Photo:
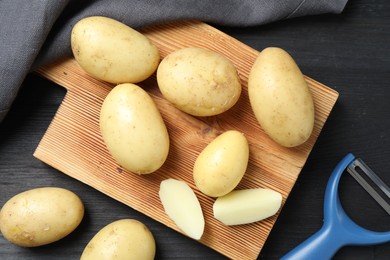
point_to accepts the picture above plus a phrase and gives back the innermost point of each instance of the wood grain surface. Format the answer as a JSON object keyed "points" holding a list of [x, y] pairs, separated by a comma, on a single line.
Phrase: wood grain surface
{"points": [[74, 146]]}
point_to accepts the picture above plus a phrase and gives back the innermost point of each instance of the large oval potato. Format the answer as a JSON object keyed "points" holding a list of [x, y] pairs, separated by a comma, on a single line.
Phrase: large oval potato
{"points": [[280, 98], [133, 129], [40, 216], [112, 51], [221, 165], [121, 239], [199, 82]]}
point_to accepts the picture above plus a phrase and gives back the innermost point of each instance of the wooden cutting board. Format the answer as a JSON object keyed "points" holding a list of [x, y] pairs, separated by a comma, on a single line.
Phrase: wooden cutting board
{"points": [[73, 143]]}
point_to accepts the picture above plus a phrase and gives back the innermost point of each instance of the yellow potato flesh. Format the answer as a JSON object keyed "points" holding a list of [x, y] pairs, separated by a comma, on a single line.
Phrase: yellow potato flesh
{"points": [[133, 129], [183, 207], [247, 206], [112, 51], [280, 98], [40, 216], [221, 165], [199, 82], [121, 239]]}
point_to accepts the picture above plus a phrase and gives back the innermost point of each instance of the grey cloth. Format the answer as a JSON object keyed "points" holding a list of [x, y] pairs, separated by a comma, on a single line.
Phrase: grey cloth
{"points": [[37, 32]]}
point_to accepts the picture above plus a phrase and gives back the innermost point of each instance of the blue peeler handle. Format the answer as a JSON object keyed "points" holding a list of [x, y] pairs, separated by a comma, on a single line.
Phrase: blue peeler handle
{"points": [[338, 229]]}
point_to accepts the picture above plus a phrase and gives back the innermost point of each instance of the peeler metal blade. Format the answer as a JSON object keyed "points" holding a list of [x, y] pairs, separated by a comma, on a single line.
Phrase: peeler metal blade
{"points": [[359, 170]]}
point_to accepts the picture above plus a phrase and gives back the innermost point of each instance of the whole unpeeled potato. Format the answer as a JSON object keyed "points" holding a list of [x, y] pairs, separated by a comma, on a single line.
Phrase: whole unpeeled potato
{"points": [[133, 129], [280, 98], [112, 51], [198, 81], [121, 239], [40, 216], [221, 165]]}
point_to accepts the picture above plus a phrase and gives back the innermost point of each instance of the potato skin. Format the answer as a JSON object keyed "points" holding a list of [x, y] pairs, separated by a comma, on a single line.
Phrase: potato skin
{"points": [[280, 98], [198, 81], [40, 216], [221, 165], [133, 129], [112, 51], [121, 239]]}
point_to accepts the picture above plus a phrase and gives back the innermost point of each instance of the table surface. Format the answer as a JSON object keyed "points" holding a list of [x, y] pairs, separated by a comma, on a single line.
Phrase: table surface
{"points": [[348, 52]]}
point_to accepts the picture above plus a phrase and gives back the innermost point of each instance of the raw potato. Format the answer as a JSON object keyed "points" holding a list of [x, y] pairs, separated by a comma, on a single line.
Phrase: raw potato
{"points": [[247, 206], [112, 51], [183, 207], [280, 98], [121, 239], [221, 165], [40, 216], [199, 82], [133, 129]]}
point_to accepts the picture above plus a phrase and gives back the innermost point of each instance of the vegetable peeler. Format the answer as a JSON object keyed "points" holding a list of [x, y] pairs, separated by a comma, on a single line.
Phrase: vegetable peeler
{"points": [[338, 229]]}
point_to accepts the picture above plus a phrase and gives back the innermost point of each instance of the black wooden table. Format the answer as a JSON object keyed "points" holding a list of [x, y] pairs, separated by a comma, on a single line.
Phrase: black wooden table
{"points": [[349, 52]]}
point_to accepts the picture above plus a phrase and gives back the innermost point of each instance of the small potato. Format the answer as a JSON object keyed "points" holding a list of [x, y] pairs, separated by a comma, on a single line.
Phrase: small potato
{"points": [[280, 98], [183, 207], [199, 82], [121, 239], [112, 51], [133, 129], [222, 164], [247, 206], [40, 216]]}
